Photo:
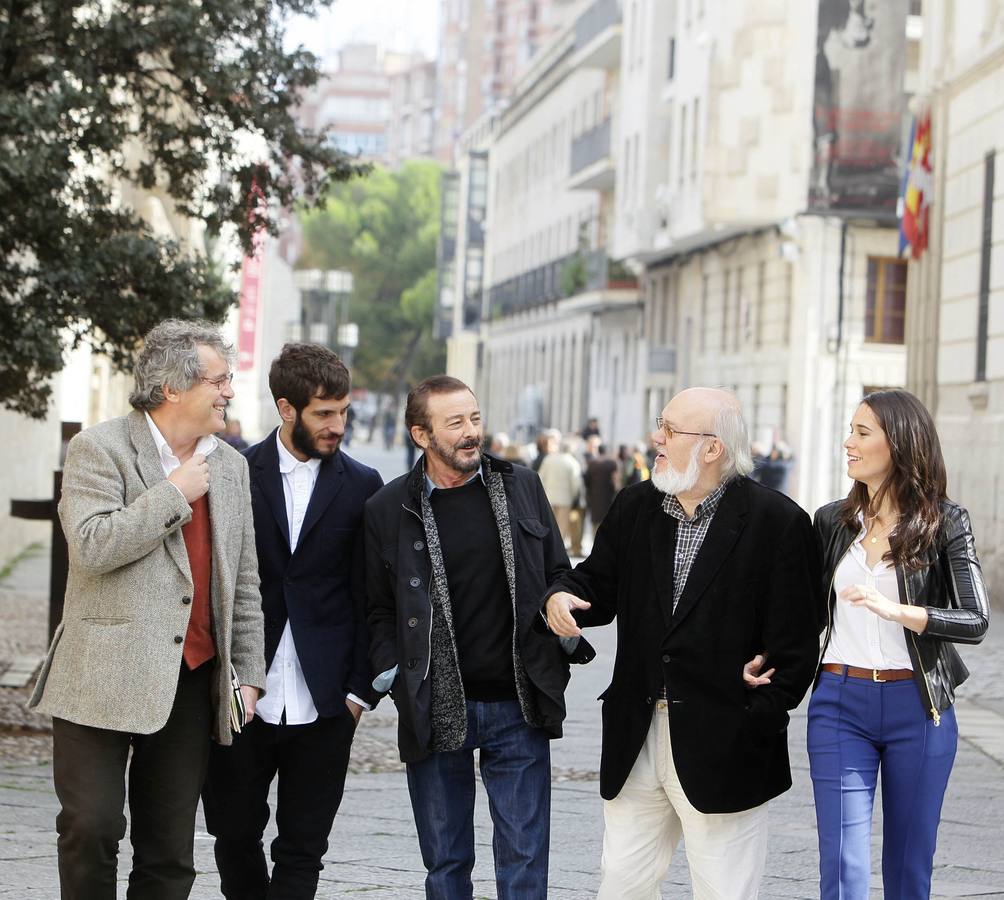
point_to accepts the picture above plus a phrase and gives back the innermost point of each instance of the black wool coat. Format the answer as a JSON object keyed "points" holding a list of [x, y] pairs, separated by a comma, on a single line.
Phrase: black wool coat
{"points": [[319, 588], [753, 587]]}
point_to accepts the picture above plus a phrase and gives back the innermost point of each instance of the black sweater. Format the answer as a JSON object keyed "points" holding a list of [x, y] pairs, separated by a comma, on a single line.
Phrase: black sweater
{"points": [[479, 593]]}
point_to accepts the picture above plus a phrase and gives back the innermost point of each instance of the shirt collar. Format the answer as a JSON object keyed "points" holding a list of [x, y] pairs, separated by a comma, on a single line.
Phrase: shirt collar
{"points": [[288, 462], [706, 507], [205, 445], [431, 486]]}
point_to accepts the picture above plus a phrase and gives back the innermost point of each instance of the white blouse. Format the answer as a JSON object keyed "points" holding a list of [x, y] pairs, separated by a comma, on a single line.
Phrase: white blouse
{"points": [[858, 636]]}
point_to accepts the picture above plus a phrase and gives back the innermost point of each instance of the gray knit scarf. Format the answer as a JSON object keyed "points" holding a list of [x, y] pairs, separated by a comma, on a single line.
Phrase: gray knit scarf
{"points": [[449, 708]]}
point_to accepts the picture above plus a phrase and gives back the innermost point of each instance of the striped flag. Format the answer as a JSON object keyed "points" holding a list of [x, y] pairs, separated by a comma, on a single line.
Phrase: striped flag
{"points": [[918, 189]]}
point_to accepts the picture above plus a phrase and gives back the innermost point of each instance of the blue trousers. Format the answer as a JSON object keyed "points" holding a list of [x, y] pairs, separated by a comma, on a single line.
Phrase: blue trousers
{"points": [[857, 727], [516, 771]]}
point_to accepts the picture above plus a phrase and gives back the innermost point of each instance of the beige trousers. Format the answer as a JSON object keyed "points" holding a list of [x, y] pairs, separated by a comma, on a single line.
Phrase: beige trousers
{"points": [[570, 525], [726, 853]]}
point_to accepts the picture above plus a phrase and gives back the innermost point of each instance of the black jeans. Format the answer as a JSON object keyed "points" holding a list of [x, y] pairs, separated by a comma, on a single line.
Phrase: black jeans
{"points": [[165, 774], [311, 761]]}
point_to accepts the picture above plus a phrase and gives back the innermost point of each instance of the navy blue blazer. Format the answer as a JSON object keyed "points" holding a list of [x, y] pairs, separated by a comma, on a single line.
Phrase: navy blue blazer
{"points": [[319, 589]]}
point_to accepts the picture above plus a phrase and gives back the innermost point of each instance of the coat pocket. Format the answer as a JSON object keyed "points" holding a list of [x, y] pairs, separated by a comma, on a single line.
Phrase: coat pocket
{"points": [[105, 620]]}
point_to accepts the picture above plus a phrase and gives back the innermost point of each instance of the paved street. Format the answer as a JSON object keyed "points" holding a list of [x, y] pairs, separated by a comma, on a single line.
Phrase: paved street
{"points": [[374, 852]]}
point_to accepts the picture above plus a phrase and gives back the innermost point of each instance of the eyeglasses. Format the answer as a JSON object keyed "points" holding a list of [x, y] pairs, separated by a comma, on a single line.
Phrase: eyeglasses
{"points": [[669, 431], [220, 382]]}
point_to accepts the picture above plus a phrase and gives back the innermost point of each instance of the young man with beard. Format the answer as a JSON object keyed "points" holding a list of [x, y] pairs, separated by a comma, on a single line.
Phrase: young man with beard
{"points": [[458, 554], [702, 568], [307, 497]]}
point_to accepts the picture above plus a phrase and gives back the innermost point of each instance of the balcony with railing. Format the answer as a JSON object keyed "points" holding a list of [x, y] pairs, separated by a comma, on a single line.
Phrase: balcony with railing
{"points": [[577, 273], [598, 36], [592, 165]]}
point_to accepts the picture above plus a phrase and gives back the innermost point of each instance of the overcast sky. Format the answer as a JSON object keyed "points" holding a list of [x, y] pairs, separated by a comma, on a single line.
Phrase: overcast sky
{"points": [[404, 25]]}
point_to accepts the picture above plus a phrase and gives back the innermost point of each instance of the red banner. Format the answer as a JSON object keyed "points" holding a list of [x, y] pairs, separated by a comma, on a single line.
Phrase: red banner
{"points": [[252, 276]]}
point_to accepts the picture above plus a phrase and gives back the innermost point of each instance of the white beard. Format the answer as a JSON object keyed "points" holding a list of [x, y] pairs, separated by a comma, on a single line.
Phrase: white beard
{"points": [[669, 481]]}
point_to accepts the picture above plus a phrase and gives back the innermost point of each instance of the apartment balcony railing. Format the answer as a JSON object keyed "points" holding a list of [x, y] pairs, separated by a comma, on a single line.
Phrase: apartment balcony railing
{"points": [[529, 289], [591, 147], [564, 277], [602, 15]]}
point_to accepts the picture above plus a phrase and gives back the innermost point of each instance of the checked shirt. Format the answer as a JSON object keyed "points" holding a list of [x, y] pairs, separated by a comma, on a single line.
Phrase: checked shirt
{"points": [[690, 534]]}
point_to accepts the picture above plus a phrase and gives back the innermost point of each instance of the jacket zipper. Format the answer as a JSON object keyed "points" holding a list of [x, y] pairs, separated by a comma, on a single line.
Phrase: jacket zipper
{"points": [[428, 635], [829, 615], [935, 715]]}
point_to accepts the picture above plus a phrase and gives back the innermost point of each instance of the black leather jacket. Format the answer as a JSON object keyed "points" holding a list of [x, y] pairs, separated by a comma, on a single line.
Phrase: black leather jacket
{"points": [[950, 586]]}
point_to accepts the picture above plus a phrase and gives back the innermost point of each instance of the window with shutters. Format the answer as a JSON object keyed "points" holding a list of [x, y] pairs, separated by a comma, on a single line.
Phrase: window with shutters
{"points": [[885, 303]]}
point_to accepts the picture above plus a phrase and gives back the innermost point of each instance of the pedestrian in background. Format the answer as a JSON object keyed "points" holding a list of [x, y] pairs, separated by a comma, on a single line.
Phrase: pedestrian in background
{"points": [[561, 475], [161, 598], [458, 554], [590, 429], [388, 428], [771, 469], [698, 566], [233, 436], [307, 497], [902, 586], [602, 481], [543, 442]]}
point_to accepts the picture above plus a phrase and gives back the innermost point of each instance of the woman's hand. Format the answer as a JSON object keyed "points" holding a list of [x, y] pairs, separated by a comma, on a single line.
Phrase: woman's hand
{"points": [[912, 617]]}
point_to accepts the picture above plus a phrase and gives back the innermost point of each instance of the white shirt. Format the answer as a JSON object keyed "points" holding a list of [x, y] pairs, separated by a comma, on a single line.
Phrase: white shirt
{"points": [[285, 686], [206, 445], [859, 637]]}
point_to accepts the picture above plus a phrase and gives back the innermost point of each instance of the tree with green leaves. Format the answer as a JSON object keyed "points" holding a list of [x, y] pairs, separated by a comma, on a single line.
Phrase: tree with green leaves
{"points": [[191, 103], [383, 229]]}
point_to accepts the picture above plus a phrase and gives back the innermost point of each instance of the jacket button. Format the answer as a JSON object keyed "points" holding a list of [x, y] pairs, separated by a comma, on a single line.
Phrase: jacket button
{"points": [[666, 658], [412, 622], [415, 582], [186, 600], [412, 663], [419, 545], [178, 639], [648, 701]]}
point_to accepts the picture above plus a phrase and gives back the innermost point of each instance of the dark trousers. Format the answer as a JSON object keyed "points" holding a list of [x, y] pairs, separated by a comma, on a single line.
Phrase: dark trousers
{"points": [[165, 775], [311, 761]]}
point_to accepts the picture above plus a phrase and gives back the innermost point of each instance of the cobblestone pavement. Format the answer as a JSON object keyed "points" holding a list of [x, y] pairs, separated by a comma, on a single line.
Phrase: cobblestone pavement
{"points": [[373, 849]]}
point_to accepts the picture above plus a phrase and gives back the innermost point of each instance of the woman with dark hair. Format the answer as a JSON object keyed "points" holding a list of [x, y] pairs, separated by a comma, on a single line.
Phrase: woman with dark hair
{"points": [[902, 587]]}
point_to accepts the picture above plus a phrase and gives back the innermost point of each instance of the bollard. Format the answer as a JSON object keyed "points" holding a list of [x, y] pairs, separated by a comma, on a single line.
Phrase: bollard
{"points": [[41, 510]]}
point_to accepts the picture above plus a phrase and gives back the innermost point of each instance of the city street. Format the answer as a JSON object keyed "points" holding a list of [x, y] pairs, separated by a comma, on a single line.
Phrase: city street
{"points": [[374, 851]]}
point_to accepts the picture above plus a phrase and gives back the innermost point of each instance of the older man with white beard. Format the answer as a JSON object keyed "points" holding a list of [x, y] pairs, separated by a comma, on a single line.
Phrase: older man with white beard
{"points": [[702, 568]]}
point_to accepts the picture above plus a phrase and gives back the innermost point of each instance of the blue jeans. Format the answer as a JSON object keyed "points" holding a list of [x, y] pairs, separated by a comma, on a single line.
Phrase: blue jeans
{"points": [[516, 771], [855, 727]]}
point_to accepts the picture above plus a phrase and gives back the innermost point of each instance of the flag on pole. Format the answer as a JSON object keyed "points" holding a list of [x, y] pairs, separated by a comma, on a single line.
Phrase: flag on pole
{"points": [[918, 189]]}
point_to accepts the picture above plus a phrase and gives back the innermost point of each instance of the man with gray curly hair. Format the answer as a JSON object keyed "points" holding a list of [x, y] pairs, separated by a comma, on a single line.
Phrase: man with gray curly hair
{"points": [[161, 600]]}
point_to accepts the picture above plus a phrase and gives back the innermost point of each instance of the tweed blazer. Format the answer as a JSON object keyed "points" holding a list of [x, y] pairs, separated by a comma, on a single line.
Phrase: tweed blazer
{"points": [[115, 658]]}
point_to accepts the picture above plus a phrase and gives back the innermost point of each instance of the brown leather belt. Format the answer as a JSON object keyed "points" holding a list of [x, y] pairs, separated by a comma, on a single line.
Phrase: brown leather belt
{"points": [[870, 674]]}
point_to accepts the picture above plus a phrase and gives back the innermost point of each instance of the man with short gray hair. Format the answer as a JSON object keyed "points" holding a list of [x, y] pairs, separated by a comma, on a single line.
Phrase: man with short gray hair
{"points": [[702, 568], [162, 597]]}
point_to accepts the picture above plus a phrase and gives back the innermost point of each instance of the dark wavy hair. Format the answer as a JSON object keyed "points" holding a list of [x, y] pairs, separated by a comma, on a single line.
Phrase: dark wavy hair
{"points": [[302, 372], [917, 483]]}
